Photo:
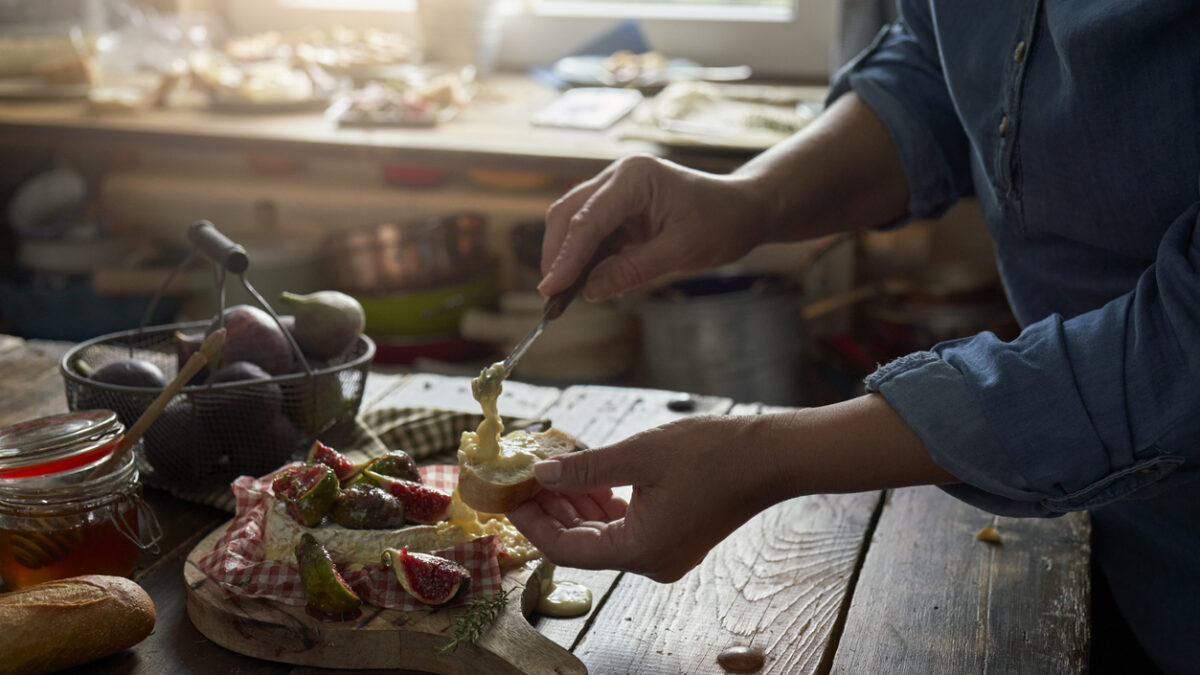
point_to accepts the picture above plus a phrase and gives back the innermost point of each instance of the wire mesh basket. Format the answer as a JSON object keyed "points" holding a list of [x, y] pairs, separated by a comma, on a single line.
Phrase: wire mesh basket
{"points": [[212, 432]]}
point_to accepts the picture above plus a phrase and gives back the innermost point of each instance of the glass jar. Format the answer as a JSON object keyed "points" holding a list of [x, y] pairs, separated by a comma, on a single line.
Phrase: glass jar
{"points": [[57, 519]]}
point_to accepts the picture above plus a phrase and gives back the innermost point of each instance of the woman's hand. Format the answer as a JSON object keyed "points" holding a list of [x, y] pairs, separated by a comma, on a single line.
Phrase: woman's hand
{"points": [[694, 482], [698, 479], [675, 219]]}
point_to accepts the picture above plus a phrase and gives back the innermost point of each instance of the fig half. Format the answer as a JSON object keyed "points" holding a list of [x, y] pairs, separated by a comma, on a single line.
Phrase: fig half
{"points": [[308, 491], [430, 579], [320, 453]]}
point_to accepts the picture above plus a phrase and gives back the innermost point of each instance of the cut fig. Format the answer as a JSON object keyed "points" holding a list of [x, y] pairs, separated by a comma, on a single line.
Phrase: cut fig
{"points": [[308, 491], [324, 588], [422, 504], [397, 464], [430, 579], [320, 453], [365, 507]]}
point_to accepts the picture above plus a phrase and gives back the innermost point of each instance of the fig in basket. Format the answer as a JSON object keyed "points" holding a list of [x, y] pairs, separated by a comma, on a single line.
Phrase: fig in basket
{"points": [[327, 323], [431, 579], [250, 335], [248, 406], [308, 491], [324, 588], [317, 407], [130, 373]]}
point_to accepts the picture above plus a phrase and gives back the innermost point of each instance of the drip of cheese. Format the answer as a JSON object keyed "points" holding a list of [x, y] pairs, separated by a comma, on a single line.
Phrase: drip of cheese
{"points": [[563, 598], [486, 389], [472, 524]]}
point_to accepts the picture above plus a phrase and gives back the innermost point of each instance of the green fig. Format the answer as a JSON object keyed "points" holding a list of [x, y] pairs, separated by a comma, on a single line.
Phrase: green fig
{"points": [[324, 588], [327, 322], [307, 491]]}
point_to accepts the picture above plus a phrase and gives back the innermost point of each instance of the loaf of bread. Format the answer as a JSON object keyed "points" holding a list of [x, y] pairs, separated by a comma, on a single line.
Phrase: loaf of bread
{"points": [[63, 623], [499, 484]]}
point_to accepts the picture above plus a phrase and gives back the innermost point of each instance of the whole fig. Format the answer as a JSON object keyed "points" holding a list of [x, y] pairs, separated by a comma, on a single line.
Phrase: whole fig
{"points": [[327, 323], [366, 507], [131, 373], [126, 373], [175, 447], [244, 408], [397, 464], [268, 448], [252, 335], [318, 403]]}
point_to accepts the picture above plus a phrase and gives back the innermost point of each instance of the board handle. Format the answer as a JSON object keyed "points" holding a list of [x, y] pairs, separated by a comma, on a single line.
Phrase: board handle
{"points": [[515, 643]]}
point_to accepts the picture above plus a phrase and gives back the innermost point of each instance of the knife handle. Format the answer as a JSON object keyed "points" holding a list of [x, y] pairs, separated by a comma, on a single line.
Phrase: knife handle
{"points": [[557, 303]]}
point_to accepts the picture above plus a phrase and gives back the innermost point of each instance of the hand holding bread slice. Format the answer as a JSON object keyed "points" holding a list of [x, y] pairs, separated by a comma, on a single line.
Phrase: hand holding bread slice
{"points": [[498, 482]]}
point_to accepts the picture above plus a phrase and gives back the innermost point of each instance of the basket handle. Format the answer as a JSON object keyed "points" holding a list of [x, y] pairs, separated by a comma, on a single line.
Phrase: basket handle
{"points": [[221, 249]]}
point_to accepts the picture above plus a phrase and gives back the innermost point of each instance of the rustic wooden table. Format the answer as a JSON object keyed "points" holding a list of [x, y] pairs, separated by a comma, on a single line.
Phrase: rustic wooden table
{"points": [[880, 582]]}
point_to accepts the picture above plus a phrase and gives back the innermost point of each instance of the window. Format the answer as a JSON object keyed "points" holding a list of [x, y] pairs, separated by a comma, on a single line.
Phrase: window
{"points": [[784, 38]]}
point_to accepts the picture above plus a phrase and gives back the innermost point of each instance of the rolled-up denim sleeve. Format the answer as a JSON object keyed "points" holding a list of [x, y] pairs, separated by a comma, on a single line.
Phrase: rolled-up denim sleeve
{"points": [[899, 77], [1073, 413]]}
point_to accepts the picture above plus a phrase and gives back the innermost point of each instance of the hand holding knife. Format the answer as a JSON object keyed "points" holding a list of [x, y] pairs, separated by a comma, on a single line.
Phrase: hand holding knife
{"points": [[554, 306]]}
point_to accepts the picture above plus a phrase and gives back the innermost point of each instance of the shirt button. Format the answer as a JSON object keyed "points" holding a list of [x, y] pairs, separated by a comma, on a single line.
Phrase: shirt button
{"points": [[1004, 125], [1019, 52]]}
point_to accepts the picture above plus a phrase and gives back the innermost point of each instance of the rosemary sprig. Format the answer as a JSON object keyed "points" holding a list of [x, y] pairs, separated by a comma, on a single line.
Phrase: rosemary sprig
{"points": [[471, 624]]}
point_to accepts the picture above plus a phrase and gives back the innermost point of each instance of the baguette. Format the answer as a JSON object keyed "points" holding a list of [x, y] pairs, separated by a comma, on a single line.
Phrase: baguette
{"points": [[500, 484], [63, 623]]}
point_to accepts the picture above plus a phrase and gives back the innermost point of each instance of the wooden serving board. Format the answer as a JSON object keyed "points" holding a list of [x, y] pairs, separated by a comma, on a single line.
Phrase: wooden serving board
{"points": [[379, 638]]}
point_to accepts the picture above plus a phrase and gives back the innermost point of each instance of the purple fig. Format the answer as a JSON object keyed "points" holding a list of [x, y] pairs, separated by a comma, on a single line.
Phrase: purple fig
{"points": [[366, 507], [327, 322], [252, 335], [242, 408], [131, 373]]}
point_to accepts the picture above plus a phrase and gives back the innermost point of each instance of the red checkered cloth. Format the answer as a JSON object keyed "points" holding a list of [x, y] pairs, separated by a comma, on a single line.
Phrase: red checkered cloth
{"points": [[236, 564]]}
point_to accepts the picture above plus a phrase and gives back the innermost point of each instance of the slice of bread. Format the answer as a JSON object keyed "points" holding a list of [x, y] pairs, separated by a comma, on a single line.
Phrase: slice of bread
{"points": [[501, 484]]}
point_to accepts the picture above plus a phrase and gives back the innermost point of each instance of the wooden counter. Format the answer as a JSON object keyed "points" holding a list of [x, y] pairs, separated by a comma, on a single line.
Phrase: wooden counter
{"points": [[878, 582], [492, 131]]}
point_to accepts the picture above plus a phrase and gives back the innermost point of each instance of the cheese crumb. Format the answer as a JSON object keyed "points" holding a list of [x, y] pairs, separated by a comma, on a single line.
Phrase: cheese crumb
{"points": [[988, 534]]}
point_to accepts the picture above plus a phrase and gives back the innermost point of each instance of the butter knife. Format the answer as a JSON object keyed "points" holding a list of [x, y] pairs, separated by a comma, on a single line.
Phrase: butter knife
{"points": [[556, 304]]}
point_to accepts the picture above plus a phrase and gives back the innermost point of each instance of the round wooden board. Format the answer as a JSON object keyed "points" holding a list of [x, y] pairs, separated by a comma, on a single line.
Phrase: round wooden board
{"points": [[379, 638]]}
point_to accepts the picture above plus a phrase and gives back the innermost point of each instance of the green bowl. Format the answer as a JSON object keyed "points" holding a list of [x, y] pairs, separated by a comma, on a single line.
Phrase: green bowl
{"points": [[433, 311]]}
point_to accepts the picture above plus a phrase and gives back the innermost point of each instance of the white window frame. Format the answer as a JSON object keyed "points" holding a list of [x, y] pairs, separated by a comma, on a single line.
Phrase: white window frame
{"points": [[774, 42]]}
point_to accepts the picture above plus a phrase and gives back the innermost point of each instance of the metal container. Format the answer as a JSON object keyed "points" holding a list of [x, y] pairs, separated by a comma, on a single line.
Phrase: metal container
{"points": [[407, 256], [728, 335]]}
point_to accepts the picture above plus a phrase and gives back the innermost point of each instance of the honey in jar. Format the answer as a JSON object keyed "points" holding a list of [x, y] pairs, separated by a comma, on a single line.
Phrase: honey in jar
{"points": [[59, 520]]}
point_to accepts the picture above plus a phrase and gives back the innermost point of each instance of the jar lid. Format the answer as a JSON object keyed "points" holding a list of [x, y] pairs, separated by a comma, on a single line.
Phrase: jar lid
{"points": [[57, 443]]}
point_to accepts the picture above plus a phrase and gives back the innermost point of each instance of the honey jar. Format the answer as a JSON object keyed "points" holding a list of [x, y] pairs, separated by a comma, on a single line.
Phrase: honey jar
{"points": [[59, 520]]}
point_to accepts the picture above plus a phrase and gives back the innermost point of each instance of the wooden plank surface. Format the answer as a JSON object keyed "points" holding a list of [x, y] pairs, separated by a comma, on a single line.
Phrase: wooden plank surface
{"points": [[931, 598], [928, 598], [777, 584]]}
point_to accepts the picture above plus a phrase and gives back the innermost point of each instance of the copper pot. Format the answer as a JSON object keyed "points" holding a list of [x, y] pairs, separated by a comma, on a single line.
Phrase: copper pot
{"points": [[407, 256]]}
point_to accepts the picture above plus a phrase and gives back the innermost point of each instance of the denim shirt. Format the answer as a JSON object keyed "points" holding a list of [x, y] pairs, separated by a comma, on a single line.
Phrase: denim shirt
{"points": [[1076, 124]]}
